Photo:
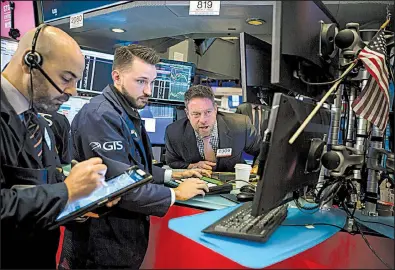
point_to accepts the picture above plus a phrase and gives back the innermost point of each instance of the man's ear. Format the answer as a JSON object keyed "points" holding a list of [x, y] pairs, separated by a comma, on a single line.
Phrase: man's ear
{"points": [[116, 77], [25, 67]]}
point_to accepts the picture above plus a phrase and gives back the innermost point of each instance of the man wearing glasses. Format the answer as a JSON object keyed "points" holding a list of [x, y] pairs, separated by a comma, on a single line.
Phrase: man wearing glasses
{"points": [[208, 139]]}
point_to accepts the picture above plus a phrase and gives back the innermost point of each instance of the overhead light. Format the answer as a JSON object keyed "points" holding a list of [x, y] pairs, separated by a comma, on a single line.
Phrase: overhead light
{"points": [[255, 21], [229, 38], [118, 30]]}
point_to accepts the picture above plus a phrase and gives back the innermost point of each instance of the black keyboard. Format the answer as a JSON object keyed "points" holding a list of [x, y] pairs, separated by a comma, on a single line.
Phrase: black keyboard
{"points": [[240, 224]]}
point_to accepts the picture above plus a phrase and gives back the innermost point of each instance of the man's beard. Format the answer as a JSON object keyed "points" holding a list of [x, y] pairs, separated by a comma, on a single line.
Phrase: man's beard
{"points": [[207, 133], [132, 100], [41, 98]]}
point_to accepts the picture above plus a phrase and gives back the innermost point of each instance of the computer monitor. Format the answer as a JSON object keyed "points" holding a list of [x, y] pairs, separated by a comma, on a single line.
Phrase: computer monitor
{"points": [[8, 48], [202, 45], [173, 79], [296, 46], [289, 167], [156, 118], [71, 107], [97, 72], [255, 63]]}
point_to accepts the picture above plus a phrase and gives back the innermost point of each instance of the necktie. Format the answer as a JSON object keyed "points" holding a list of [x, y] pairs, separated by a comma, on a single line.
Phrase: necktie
{"points": [[35, 131], [257, 122], [209, 154]]}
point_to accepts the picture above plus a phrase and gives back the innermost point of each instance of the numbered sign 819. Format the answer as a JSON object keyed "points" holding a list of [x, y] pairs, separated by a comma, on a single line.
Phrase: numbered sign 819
{"points": [[204, 7], [76, 20]]}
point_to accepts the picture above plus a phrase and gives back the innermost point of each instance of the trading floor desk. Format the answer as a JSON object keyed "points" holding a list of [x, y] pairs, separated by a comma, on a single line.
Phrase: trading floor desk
{"points": [[176, 242]]}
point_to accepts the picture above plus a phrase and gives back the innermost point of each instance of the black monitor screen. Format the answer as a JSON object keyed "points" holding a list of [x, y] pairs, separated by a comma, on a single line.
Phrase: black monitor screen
{"points": [[173, 79], [97, 72], [290, 167], [258, 64], [295, 47], [256, 56], [255, 60], [156, 118]]}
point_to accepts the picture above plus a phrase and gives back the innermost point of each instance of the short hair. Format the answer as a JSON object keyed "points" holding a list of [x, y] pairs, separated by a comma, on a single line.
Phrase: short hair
{"points": [[199, 91], [124, 56]]}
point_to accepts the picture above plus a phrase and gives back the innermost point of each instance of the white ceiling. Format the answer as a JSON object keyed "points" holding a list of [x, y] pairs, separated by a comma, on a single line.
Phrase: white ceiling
{"points": [[146, 20]]}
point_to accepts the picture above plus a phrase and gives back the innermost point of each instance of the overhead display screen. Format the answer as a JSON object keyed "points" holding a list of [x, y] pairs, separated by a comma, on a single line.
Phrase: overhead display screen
{"points": [[54, 10]]}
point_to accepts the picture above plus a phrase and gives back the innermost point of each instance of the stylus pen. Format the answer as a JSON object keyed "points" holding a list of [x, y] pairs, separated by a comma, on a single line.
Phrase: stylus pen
{"points": [[75, 162]]}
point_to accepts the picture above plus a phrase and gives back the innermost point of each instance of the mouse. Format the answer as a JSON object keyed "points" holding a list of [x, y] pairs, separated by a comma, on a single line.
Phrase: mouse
{"points": [[244, 196], [247, 189]]}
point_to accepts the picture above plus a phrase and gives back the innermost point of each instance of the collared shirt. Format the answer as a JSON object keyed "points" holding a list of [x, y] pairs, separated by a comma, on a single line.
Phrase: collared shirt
{"points": [[17, 100], [214, 140]]}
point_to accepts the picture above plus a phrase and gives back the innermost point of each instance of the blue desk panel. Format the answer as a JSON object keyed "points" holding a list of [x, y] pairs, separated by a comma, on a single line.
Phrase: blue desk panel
{"points": [[383, 229], [285, 242]]}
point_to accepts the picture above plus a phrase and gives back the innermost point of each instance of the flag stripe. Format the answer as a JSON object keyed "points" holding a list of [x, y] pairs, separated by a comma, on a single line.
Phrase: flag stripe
{"points": [[379, 108], [380, 55], [371, 63], [358, 107], [373, 68], [376, 66], [378, 100], [373, 102], [384, 120]]}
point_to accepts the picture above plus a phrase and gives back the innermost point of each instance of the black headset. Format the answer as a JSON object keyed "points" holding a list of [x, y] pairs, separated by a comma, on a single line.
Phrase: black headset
{"points": [[34, 59]]}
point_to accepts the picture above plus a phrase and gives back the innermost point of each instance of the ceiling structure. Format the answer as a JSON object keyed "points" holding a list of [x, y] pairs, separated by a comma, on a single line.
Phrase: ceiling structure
{"points": [[161, 24]]}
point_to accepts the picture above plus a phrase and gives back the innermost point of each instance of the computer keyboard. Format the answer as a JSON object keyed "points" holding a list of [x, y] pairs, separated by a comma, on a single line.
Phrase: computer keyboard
{"points": [[215, 186], [240, 224]]}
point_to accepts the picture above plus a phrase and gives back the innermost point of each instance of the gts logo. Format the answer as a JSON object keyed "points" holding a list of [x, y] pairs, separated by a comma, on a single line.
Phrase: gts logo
{"points": [[107, 146]]}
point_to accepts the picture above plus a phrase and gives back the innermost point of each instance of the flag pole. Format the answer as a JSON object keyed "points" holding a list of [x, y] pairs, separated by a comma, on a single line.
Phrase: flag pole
{"points": [[319, 105], [331, 90], [385, 24]]}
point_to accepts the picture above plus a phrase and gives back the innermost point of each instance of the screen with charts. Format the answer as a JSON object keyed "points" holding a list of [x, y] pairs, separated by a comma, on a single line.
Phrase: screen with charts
{"points": [[97, 73], [173, 80], [8, 48], [156, 118], [72, 107]]}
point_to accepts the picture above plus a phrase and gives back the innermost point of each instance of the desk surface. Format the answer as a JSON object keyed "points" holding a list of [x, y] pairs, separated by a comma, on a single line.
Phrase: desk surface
{"points": [[208, 202], [286, 241]]}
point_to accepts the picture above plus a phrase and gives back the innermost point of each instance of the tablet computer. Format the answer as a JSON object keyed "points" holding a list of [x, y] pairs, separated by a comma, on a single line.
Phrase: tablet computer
{"points": [[132, 178]]}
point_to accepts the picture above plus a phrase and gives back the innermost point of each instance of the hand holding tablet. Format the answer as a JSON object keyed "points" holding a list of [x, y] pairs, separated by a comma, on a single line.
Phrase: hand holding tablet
{"points": [[105, 194]]}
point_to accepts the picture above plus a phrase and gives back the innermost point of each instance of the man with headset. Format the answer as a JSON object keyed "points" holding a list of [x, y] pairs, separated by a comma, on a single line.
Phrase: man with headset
{"points": [[32, 189]]}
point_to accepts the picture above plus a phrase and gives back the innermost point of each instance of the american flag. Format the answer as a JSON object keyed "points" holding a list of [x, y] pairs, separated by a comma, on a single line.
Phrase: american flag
{"points": [[373, 102]]}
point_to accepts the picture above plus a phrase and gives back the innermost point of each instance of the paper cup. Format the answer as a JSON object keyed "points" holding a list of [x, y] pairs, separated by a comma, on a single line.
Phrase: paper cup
{"points": [[242, 173]]}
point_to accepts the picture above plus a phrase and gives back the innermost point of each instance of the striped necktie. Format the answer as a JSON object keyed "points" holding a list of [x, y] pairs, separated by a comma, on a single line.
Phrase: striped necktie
{"points": [[35, 131]]}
